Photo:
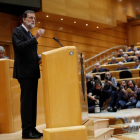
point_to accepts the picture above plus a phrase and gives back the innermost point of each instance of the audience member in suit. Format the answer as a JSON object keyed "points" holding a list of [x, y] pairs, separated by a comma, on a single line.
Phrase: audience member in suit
{"points": [[135, 49], [121, 53], [2, 51], [126, 59], [120, 67], [113, 61], [137, 55], [131, 48], [26, 71], [98, 68], [137, 66]]}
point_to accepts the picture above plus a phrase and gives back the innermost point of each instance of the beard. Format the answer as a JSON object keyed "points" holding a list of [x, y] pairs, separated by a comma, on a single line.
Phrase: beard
{"points": [[30, 25]]}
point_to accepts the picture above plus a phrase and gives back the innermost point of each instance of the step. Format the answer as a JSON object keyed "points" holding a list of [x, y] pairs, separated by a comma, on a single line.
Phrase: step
{"points": [[129, 136], [126, 128], [101, 134], [114, 139], [98, 123]]}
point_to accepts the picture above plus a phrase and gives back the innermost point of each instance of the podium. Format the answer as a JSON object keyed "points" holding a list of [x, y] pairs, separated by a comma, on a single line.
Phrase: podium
{"points": [[64, 89]]}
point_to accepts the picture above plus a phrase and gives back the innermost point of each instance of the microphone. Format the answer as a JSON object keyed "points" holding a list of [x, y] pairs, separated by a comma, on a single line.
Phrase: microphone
{"points": [[58, 41]]}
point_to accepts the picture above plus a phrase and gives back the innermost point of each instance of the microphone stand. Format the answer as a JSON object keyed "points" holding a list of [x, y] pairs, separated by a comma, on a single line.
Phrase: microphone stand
{"points": [[58, 41]]}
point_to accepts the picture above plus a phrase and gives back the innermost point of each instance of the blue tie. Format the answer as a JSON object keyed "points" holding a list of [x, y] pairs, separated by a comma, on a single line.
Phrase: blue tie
{"points": [[30, 34]]}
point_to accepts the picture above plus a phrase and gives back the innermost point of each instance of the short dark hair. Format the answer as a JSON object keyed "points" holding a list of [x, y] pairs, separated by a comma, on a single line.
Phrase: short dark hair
{"points": [[25, 14], [98, 82], [132, 45]]}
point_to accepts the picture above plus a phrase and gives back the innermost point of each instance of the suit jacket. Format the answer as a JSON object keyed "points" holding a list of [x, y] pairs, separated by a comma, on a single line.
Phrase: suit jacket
{"points": [[101, 70], [26, 58]]}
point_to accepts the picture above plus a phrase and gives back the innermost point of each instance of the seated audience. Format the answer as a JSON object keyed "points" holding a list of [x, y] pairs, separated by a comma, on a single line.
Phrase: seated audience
{"points": [[110, 84], [137, 66], [97, 91], [126, 59], [113, 61], [117, 96], [137, 55], [120, 67], [98, 68], [120, 53], [131, 48], [130, 96], [135, 49], [2, 51]]}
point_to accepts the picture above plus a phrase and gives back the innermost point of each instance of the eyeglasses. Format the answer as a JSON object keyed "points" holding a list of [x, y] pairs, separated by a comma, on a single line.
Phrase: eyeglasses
{"points": [[32, 18]]}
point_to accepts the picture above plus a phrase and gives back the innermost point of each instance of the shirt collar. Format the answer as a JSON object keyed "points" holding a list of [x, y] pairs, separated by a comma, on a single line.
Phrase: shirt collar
{"points": [[24, 27]]}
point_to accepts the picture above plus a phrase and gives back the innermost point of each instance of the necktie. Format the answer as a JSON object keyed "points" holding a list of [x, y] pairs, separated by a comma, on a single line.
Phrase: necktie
{"points": [[30, 34]]}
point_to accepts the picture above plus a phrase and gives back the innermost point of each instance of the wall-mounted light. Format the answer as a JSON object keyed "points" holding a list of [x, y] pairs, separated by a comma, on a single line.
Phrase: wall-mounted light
{"points": [[74, 21], [47, 16], [86, 24], [61, 18]]}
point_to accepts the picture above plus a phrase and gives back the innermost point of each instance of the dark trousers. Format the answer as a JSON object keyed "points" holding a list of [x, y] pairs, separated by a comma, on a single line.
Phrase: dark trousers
{"points": [[28, 102]]}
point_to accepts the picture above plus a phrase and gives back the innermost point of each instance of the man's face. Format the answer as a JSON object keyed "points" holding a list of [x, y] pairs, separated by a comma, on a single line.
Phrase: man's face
{"points": [[137, 62], [113, 61], [107, 74], [123, 83], [1, 54], [120, 66], [130, 85], [29, 21], [98, 87], [125, 57], [97, 67], [121, 52]]}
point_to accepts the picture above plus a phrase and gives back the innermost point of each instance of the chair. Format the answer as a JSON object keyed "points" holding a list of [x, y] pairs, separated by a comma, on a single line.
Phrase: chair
{"points": [[125, 74]]}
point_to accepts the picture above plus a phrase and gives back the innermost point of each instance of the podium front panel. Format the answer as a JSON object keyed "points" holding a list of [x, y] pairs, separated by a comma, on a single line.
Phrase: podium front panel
{"points": [[65, 103]]}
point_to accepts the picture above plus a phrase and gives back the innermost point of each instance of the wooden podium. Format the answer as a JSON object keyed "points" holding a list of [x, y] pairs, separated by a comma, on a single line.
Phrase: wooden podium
{"points": [[64, 89]]}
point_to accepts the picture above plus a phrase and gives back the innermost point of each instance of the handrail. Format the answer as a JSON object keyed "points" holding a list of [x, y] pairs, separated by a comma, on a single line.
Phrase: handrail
{"points": [[113, 53]]}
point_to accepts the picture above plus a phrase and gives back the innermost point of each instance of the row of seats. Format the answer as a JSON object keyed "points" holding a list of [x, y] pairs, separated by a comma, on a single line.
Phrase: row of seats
{"points": [[112, 67], [116, 74], [120, 58]]}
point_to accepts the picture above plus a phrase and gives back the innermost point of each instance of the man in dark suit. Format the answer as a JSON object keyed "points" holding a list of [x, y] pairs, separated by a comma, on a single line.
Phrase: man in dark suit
{"points": [[98, 68], [26, 70]]}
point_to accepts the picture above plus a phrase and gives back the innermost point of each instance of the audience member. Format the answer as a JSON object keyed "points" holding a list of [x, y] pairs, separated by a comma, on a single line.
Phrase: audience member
{"points": [[2, 51], [135, 49], [120, 53], [89, 83], [113, 61], [120, 67], [97, 91], [137, 55], [137, 66], [110, 84], [131, 48], [130, 95], [98, 68], [126, 59]]}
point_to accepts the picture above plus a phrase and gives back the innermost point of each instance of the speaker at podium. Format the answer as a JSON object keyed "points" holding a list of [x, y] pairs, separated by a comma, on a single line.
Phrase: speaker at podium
{"points": [[64, 87]]}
